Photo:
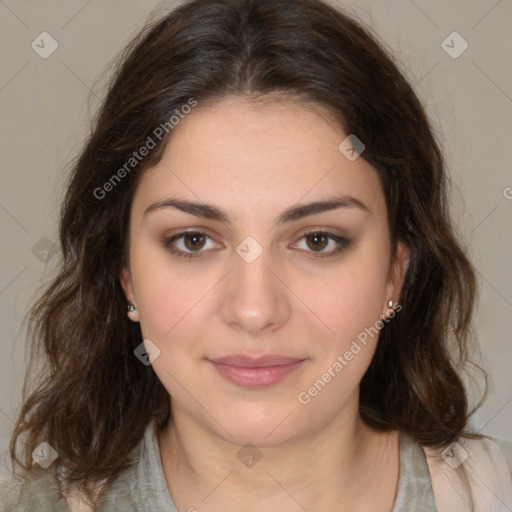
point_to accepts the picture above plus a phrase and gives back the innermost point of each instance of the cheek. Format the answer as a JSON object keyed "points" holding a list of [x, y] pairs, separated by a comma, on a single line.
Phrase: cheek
{"points": [[348, 300], [170, 305], [170, 308], [163, 295]]}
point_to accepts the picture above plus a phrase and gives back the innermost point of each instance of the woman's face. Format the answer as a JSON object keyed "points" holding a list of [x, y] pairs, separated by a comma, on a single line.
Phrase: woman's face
{"points": [[266, 269]]}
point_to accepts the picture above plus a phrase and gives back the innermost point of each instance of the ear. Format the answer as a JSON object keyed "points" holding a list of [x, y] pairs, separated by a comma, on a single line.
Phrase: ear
{"points": [[397, 273], [127, 285]]}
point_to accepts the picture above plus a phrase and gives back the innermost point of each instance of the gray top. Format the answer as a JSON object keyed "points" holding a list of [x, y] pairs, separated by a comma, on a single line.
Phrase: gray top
{"points": [[143, 487]]}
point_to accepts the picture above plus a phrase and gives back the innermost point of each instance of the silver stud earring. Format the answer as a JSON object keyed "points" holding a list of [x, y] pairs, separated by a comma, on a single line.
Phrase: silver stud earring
{"points": [[391, 304], [131, 307]]}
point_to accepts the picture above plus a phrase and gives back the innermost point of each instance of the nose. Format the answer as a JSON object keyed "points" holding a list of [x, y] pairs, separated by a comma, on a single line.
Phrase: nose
{"points": [[255, 300]]}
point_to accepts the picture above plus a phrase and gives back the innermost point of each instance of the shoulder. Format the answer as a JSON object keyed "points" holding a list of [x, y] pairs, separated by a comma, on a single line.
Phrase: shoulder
{"points": [[471, 470], [37, 491], [506, 449]]}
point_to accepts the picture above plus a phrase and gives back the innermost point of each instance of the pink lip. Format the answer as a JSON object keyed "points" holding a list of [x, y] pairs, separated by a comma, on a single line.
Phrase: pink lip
{"points": [[255, 372]]}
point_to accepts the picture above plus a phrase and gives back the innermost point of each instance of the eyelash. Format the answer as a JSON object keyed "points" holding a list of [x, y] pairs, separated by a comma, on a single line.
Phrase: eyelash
{"points": [[343, 244]]}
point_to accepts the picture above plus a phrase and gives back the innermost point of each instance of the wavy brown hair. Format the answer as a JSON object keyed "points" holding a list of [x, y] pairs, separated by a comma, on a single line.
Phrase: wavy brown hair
{"points": [[93, 399]]}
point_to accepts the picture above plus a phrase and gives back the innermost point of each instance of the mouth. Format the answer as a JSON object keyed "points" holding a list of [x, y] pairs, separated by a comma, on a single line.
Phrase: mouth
{"points": [[258, 372]]}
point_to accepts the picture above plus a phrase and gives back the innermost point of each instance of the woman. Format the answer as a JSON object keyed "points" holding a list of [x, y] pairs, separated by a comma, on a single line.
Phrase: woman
{"points": [[262, 304]]}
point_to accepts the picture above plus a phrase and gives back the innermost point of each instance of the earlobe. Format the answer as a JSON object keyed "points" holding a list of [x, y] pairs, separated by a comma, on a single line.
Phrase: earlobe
{"points": [[126, 284], [398, 271], [133, 314]]}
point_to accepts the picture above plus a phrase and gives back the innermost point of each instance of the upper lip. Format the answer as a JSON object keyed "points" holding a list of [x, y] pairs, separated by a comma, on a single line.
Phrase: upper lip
{"points": [[248, 361]]}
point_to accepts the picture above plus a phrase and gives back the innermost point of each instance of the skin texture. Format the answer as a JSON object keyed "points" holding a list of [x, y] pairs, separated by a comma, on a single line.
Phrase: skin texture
{"points": [[254, 162]]}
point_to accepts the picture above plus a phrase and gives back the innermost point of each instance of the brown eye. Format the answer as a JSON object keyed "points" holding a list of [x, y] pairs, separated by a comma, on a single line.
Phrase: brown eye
{"points": [[323, 244], [317, 241], [194, 241], [189, 244]]}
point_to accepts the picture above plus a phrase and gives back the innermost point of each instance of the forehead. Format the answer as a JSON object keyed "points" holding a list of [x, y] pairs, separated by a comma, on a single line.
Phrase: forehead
{"points": [[244, 154]]}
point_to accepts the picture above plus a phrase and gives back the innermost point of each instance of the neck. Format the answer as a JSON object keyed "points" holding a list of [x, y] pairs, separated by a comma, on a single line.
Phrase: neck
{"points": [[320, 470]]}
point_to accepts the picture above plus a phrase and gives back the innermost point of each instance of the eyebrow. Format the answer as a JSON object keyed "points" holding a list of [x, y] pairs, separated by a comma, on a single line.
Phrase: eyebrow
{"points": [[291, 214]]}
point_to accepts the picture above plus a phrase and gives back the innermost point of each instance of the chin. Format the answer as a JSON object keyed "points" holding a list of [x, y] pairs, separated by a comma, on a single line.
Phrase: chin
{"points": [[262, 424]]}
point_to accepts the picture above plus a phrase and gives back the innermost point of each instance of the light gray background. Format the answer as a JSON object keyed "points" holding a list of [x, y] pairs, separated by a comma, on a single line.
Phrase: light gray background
{"points": [[46, 112]]}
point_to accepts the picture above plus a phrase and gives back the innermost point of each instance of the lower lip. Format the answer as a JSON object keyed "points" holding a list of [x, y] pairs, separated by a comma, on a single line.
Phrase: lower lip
{"points": [[255, 377]]}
